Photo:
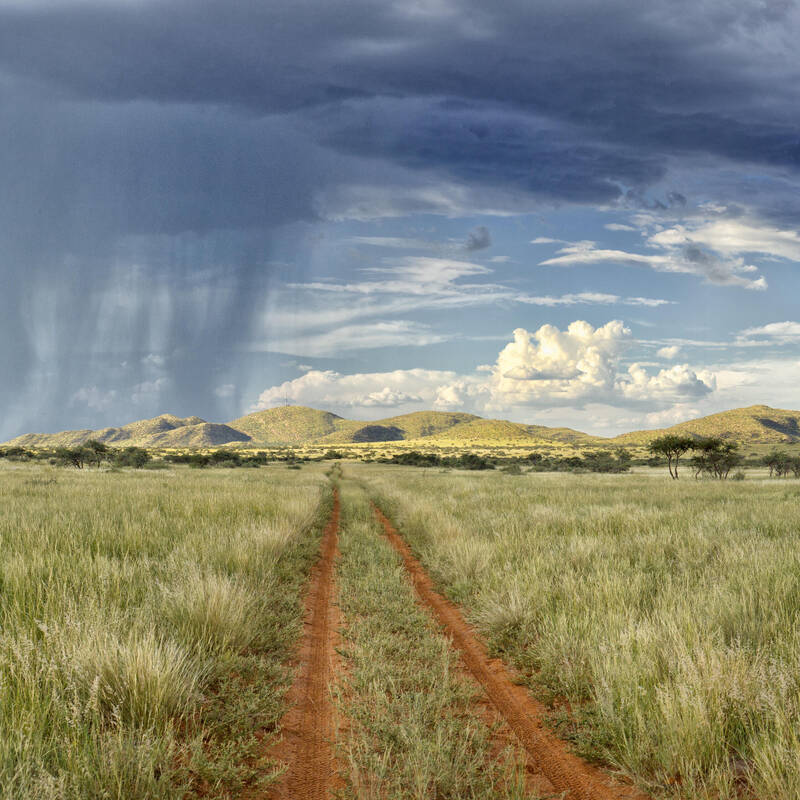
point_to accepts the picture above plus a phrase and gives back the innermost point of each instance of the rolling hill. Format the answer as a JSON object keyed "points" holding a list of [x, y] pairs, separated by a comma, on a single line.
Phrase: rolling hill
{"points": [[751, 425], [288, 425], [165, 430], [300, 426]]}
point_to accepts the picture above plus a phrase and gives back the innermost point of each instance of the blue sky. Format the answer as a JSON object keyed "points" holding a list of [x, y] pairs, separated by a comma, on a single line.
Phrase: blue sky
{"points": [[562, 213]]}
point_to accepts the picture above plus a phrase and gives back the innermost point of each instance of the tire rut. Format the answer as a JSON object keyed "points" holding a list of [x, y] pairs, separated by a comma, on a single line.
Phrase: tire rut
{"points": [[572, 776], [308, 725]]}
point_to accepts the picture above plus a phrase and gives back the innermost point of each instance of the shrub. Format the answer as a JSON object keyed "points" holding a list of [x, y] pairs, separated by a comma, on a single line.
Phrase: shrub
{"points": [[135, 457]]}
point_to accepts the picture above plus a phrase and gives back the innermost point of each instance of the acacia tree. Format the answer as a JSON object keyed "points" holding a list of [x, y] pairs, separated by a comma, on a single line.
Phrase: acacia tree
{"points": [[96, 452], [715, 457], [672, 447], [76, 456], [778, 463], [781, 464]]}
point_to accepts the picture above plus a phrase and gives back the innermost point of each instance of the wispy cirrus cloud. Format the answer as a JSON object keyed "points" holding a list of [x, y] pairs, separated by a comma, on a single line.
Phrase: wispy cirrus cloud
{"points": [[781, 333], [715, 246], [423, 283], [345, 339]]}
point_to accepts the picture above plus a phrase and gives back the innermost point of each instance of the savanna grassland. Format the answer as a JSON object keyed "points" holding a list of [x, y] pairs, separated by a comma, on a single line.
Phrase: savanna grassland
{"points": [[151, 620], [146, 618], [659, 618]]}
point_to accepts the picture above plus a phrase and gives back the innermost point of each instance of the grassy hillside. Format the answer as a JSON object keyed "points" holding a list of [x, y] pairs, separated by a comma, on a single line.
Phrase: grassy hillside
{"points": [[287, 425], [417, 425], [483, 430], [751, 425], [297, 426], [36, 441], [427, 423], [205, 434], [500, 431], [166, 430]]}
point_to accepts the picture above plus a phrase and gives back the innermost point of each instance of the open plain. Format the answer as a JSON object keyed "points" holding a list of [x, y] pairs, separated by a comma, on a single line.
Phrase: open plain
{"points": [[466, 634]]}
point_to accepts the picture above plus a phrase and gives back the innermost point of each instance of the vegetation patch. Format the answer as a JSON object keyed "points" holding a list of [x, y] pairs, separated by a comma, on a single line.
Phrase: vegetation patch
{"points": [[413, 730], [662, 614], [146, 619]]}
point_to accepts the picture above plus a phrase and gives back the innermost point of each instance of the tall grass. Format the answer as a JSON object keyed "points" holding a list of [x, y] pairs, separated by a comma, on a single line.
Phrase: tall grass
{"points": [[413, 731], [129, 604], [666, 613]]}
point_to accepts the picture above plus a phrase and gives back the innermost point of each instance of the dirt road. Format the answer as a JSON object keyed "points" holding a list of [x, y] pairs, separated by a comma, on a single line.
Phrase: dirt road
{"points": [[548, 755], [308, 726]]}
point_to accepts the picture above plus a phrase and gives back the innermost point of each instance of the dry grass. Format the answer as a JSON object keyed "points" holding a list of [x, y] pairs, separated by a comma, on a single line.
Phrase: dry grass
{"points": [[128, 600], [667, 613]]}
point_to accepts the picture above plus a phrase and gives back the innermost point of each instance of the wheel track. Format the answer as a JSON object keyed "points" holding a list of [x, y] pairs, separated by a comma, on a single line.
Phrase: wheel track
{"points": [[568, 773], [308, 726]]}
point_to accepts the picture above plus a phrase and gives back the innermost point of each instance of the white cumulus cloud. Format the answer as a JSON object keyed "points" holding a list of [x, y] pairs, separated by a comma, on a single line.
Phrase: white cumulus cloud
{"points": [[670, 351], [330, 389], [542, 369]]}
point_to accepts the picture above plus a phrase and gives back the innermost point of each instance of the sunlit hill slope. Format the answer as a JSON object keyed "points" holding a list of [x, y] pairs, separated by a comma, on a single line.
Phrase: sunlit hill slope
{"points": [[751, 425], [298, 426]]}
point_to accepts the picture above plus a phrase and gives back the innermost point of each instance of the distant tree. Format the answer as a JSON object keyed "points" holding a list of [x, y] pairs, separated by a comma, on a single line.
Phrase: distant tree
{"points": [[16, 453], [715, 457], [672, 447], [779, 462], [472, 461], [95, 452], [606, 461], [225, 458], [74, 456], [624, 458], [135, 457]]}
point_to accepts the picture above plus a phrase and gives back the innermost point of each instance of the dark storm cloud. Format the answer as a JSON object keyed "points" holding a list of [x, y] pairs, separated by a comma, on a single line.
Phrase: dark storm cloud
{"points": [[568, 101], [169, 140], [479, 239], [656, 79]]}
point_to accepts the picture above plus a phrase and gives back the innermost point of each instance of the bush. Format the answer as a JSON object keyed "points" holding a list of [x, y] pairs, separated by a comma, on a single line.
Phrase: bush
{"points": [[135, 457], [16, 454]]}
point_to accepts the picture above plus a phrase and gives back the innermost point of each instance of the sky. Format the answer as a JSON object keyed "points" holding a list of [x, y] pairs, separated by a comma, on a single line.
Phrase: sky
{"points": [[562, 213]]}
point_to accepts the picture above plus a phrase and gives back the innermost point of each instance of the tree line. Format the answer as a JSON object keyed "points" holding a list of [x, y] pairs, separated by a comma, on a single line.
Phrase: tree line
{"points": [[92, 453], [712, 456], [716, 457]]}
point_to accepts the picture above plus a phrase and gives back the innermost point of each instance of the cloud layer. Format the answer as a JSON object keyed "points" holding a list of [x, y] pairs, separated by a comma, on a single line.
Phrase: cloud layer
{"points": [[714, 247], [156, 155], [549, 367]]}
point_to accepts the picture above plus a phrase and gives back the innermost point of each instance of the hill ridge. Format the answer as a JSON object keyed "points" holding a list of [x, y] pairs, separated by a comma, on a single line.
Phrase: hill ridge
{"points": [[302, 425]]}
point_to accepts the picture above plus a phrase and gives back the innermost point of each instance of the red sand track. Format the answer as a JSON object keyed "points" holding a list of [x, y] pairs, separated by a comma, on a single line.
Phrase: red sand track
{"points": [[307, 727], [569, 774]]}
